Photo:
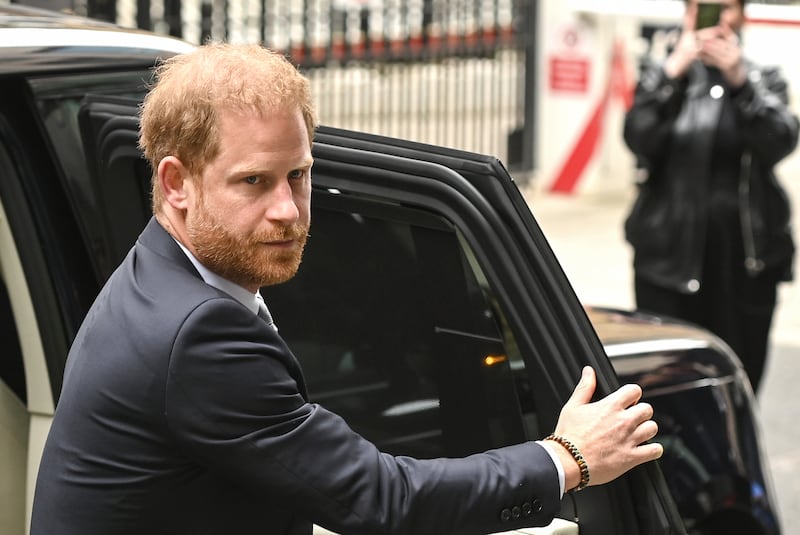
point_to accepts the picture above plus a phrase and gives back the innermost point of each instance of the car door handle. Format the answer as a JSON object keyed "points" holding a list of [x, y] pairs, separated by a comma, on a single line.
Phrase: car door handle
{"points": [[558, 526]]}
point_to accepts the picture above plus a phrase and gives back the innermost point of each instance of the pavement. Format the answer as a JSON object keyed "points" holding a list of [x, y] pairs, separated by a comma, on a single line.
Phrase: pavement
{"points": [[585, 232]]}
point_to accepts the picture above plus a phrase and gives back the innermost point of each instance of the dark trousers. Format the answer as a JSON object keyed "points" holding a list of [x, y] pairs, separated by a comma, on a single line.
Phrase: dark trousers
{"points": [[734, 306]]}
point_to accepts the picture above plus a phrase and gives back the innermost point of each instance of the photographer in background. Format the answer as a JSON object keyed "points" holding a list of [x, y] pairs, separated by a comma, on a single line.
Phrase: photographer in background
{"points": [[710, 227]]}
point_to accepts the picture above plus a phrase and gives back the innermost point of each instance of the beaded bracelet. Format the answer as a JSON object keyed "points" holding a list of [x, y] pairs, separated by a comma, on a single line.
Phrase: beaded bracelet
{"points": [[576, 454]]}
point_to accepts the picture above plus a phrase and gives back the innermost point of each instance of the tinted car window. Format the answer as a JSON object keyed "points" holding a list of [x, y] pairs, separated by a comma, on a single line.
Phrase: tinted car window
{"points": [[59, 101], [394, 330]]}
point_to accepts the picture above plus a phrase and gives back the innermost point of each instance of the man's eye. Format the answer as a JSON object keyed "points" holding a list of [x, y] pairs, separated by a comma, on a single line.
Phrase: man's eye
{"points": [[297, 173], [252, 179]]}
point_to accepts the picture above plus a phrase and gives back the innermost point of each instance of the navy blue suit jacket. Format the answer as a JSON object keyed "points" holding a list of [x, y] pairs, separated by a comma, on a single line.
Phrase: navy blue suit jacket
{"points": [[183, 412]]}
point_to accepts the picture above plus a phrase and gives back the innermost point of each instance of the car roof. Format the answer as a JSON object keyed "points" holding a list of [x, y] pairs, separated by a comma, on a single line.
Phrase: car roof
{"points": [[36, 40]]}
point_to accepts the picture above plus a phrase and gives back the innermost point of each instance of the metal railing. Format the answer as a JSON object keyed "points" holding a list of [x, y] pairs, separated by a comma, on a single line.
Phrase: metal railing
{"points": [[457, 73]]}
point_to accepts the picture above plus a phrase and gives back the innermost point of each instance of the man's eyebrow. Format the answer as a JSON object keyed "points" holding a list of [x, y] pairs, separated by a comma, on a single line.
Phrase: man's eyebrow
{"points": [[257, 169], [248, 170]]}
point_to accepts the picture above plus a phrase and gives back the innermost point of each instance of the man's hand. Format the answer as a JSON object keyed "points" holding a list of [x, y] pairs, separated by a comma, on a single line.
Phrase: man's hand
{"points": [[610, 433]]}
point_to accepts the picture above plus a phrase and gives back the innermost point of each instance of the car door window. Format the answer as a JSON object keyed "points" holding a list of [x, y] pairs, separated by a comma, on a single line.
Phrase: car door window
{"points": [[395, 332], [61, 104]]}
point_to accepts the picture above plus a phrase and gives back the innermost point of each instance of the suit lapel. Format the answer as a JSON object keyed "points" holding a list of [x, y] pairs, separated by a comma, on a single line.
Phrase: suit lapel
{"points": [[155, 238]]}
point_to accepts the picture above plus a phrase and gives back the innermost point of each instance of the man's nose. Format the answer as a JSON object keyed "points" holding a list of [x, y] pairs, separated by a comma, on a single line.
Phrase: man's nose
{"points": [[281, 205]]}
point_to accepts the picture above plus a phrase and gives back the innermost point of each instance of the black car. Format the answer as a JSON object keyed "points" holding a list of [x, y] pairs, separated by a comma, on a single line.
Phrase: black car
{"points": [[429, 310]]}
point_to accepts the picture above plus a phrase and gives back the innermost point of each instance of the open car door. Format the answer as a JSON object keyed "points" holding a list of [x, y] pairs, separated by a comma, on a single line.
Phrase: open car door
{"points": [[119, 176], [429, 310]]}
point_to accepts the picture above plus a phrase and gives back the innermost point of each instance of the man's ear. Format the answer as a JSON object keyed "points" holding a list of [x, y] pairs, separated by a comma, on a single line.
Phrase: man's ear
{"points": [[175, 182]]}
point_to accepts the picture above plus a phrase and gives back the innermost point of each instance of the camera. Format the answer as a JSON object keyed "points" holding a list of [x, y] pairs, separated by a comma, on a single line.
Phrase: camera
{"points": [[707, 14]]}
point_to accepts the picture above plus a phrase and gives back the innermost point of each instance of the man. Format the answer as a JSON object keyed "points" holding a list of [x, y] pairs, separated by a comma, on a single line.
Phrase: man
{"points": [[182, 409]]}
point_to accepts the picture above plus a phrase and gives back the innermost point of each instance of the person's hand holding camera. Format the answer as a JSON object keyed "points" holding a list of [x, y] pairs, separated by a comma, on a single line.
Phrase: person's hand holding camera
{"points": [[711, 40]]}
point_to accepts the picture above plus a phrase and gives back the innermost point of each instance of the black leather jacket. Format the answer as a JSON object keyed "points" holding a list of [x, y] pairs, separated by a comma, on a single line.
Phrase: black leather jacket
{"points": [[670, 128]]}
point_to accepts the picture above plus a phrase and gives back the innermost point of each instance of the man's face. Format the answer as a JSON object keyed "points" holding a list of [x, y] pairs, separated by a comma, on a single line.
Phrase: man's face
{"points": [[250, 214]]}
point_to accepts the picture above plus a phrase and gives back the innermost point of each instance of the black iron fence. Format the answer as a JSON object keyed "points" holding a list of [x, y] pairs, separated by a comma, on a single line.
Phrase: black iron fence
{"points": [[458, 73]]}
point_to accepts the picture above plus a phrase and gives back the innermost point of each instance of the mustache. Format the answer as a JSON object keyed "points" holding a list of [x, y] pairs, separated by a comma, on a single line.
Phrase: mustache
{"points": [[295, 231]]}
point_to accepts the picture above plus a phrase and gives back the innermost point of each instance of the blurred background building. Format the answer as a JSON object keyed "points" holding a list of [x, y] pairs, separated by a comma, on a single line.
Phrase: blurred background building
{"points": [[542, 85]]}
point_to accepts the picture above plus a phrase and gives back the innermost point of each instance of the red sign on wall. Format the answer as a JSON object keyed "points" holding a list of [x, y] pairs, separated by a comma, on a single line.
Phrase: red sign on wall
{"points": [[569, 74]]}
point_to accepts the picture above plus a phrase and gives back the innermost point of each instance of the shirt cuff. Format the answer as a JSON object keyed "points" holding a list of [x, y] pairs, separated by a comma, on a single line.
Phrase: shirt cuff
{"points": [[559, 467]]}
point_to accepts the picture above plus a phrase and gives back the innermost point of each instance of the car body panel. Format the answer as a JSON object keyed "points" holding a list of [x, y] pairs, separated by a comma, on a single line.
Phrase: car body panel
{"points": [[704, 406], [39, 41]]}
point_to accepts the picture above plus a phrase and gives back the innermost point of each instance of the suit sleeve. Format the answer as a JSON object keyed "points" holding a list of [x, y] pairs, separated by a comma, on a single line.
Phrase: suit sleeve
{"points": [[233, 406]]}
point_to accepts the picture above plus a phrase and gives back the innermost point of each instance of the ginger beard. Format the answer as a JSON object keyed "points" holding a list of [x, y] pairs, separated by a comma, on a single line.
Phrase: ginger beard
{"points": [[244, 259]]}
